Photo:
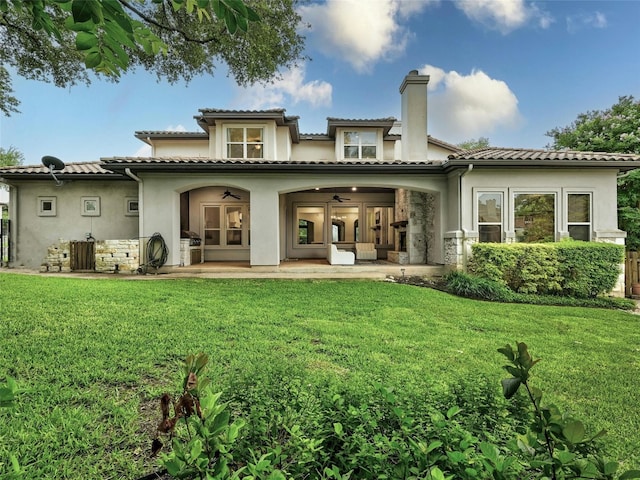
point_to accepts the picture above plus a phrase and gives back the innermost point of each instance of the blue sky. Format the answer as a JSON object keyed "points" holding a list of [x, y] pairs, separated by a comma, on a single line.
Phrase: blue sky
{"points": [[509, 70]]}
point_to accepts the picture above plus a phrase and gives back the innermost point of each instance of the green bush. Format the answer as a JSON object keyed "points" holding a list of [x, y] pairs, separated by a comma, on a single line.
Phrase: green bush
{"points": [[469, 286], [589, 269], [577, 269], [280, 428]]}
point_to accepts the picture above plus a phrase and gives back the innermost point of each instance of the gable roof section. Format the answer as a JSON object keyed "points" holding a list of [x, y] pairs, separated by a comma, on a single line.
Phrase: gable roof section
{"points": [[520, 157], [209, 116], [443, 144], [385, 123], [147, 135], [114, 168]]}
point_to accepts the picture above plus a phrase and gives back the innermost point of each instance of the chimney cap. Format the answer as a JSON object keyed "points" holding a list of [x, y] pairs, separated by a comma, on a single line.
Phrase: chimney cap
{"points": [[414, 78]]}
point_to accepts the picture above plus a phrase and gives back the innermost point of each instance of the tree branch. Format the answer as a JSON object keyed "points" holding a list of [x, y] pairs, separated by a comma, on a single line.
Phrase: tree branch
{"points": [[168, 28]]}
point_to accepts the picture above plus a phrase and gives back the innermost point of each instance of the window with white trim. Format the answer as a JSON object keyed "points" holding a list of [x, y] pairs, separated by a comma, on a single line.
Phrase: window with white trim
{"points": [[360, 144], [47, 206], [245, 142], [490, 217], [310, 220], [579, 216], [226, 225]]}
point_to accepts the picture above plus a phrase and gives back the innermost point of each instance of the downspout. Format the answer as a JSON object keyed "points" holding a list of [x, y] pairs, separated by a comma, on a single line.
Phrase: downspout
{"points": [[469, 168], [465, 256], [12, 210], [131, 175], [625, 174]]}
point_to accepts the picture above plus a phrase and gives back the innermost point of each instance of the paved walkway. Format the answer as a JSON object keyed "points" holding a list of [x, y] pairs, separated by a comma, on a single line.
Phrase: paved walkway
{"points": [[291, 270]]}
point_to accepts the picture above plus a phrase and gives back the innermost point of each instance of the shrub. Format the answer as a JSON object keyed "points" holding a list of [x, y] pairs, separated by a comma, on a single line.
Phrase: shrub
{"points": [[577, 269], [472, 286], [469, 286], [589, 269], [302, 430]]}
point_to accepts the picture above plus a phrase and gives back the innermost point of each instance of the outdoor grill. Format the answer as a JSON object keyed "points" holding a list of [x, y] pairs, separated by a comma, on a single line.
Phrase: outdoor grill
{"points": [[194, 238]]}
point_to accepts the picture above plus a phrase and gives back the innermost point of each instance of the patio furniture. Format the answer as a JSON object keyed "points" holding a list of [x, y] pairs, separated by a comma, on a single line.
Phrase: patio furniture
{"points": [[340, 257], [366, 251]]}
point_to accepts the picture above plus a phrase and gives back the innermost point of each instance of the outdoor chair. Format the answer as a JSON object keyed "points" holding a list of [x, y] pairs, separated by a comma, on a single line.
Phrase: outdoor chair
{"points": [[366, 251], [340, 257]]}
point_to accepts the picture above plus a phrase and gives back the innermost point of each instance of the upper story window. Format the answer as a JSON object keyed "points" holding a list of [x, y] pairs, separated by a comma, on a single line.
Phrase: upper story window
{"points": [[360, 144], [245, 142]]}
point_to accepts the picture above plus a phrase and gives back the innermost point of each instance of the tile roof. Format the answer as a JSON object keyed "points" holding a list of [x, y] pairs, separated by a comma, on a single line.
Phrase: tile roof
{"points": [[80, 169], [208, 117], [333, 123], [170, 133], [241, 112], [109, 162], [114, 167], [202, 164], [519, 156]]}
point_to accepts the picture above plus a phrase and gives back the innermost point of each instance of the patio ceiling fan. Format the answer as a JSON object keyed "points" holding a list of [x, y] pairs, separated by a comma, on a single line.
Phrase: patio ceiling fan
{"points": [[338, 198], [227, 194]]}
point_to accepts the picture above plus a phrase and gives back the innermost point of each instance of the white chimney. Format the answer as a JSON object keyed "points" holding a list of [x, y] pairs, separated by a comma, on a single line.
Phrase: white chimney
{"points": [[414, 116]]}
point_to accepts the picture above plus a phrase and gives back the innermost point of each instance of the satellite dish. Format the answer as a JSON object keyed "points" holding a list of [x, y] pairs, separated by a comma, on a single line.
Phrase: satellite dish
{"points": [[53, 164]]}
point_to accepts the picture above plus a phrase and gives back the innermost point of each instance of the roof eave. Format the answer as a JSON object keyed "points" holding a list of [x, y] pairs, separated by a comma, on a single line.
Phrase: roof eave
{"points": [[622, 165], [290, 167]]}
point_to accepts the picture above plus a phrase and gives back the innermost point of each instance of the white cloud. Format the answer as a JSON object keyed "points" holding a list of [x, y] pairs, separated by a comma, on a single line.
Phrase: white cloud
{"points": [[143, 151], [467, 106], [576, 23], [361, 32], [504, 15], [290, 88], [177, 128]]}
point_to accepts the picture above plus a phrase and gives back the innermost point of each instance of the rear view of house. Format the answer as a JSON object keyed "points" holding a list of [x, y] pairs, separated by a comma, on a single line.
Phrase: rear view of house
{"points": [[248, 186]]}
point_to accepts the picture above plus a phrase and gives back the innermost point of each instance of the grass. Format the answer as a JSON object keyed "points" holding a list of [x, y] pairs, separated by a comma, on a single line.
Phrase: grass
{"points": [[92, 356]]}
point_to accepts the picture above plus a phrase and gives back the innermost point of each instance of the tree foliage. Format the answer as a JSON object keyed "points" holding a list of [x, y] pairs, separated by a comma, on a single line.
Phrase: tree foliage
{"points": [[472, 144], [59, 41], [614, 130], [10, 156]]}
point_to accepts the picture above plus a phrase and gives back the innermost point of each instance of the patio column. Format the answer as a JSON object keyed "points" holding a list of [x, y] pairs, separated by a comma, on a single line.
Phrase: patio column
{"points": [[265, 239]]}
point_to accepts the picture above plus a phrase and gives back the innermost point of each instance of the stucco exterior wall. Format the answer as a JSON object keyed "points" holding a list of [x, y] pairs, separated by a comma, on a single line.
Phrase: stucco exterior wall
{"points": [[180, 148], [162, 204], [33, 234], [600, 183]]}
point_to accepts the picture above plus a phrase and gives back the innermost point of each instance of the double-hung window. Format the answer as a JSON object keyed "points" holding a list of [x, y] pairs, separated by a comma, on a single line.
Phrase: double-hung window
{"points": [[245, 142], [360, 144], [490, 217], [579, 216]]}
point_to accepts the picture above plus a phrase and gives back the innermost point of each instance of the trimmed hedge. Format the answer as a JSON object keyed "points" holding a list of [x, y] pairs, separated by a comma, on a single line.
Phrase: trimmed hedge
{"points": [[572, 268]]}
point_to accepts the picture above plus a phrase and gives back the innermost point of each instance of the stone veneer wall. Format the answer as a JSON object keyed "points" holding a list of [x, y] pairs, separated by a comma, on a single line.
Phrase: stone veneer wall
{"points": [[109, 253], [123, 253], [58, 258], [419, 209]]}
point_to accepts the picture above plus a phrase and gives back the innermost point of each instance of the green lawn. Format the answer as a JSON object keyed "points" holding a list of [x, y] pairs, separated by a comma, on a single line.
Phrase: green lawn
{"points": [[92, 355]]}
